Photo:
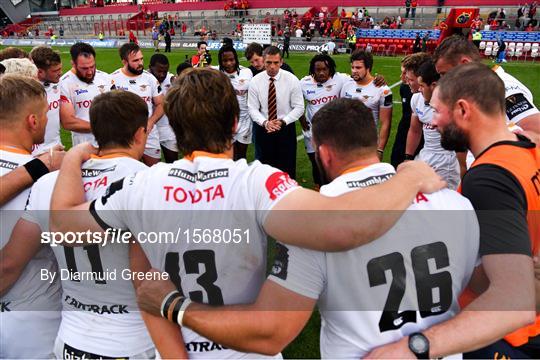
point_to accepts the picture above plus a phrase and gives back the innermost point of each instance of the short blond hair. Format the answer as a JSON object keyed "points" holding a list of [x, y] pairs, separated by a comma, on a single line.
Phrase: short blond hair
{"points": [[20, 66], [17, 92]]}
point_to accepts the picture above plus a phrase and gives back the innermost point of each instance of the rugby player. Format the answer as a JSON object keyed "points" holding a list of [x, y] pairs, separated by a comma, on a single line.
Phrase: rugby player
{"points": [[132, 77], [159, 67], [422, 76], [520, 108], [78, 87], [321, 86], [94, 285], [351, 287], [252, 197], [503, 187], [378, 99], [30, 308], [49, 66], [240, 78]]}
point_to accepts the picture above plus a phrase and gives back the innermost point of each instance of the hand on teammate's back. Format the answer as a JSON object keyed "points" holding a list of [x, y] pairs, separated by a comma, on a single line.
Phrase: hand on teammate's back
{"points": [[379, 80], [430, 181], [52, 158], [82, 152]]}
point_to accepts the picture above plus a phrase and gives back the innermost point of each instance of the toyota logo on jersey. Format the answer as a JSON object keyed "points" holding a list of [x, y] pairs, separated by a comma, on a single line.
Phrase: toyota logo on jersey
{"points": [[278, 183]]}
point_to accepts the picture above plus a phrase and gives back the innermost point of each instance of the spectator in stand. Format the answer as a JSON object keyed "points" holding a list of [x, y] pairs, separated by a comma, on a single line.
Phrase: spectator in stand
{"points": [[414, 4], [312, 27], [202, 58], [343, 13], [501, 52], [407, 8], [155, 38], [440, 4], [299, 33], [133, 38], [425, 40], [417, 47], [61, 31], [476, 38], [184, 29]]}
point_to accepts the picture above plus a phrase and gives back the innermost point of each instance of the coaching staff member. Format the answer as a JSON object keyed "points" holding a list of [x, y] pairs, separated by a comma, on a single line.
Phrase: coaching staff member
{"points": [[275, 102]]}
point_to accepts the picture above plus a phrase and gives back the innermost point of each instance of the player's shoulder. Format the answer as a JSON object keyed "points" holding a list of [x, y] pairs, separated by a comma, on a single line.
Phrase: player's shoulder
{"points": [[511, 84], [67, 76], [116, 73], [444, 199], [385, 90], [306, 80], [245, 72], [46, 182]]}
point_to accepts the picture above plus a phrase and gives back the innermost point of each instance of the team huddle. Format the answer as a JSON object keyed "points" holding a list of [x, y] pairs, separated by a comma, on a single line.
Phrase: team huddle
{"points": [[398, 263]]}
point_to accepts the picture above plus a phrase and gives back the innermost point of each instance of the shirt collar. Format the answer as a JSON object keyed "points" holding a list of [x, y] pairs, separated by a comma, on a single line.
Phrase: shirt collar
{"points": [[275, 77]]}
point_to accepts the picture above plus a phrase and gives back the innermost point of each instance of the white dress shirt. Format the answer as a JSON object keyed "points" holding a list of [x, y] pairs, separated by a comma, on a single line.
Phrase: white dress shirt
{"points": [[290, 102]]}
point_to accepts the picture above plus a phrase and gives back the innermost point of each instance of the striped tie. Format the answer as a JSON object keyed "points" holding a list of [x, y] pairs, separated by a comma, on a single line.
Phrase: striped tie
{"points": [[272, 102]]}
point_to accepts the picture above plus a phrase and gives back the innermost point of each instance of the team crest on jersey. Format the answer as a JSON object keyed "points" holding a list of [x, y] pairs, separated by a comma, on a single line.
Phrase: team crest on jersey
{"points": [[55, 89], [101, 88], [143, 87], [278, 183], [281, 262], [242, 81], [329, 87], [365, 97]]}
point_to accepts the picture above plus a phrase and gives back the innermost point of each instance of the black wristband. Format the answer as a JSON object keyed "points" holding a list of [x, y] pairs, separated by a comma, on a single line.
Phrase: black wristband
{"points": [[409, 157], [177, 307], [168, 302], [36, 168]]}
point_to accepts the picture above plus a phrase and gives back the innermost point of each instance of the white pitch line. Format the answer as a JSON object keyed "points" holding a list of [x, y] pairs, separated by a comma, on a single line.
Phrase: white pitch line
{"points": [[301, 137]]}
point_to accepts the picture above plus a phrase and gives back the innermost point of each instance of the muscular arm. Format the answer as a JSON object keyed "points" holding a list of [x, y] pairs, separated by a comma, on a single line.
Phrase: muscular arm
{"points": [[158, 111], [71, 122], [414, 135], [12, 183], [350, 220], [531, 126], [23, 245], [385, 117], [166, 336]]}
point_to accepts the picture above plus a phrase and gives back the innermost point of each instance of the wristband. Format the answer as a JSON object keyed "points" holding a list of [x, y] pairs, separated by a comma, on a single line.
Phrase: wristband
{"points": [[409, 157], [167, 302], [36, 168], [182, 306]]}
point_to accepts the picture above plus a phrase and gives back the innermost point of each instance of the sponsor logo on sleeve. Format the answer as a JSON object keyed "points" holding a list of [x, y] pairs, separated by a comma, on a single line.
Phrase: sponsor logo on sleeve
{"points": [[516, 105], [278, 183]]}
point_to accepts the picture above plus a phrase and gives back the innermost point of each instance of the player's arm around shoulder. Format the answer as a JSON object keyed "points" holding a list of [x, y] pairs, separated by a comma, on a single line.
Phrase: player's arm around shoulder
{"points": [[307, 219]]}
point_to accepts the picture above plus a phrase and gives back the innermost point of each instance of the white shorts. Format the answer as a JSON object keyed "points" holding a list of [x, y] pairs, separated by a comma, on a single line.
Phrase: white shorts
{"points": [[308, 141], [445, 164], [167, 139], [153, 148], [79, 138], [243, 131], [28, 334], [64, 351]]}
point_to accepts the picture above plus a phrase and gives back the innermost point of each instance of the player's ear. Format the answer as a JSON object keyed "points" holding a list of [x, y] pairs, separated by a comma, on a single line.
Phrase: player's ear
{"points": [[235, 125], [462, 112], [326, 155], [140, 136]]}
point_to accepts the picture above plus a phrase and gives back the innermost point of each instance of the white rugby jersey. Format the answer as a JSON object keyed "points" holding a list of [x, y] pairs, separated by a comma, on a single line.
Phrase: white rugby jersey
{"points": [[519, 99], [424, 112], [423, 262], [164, 128], [144, 85], [240, 82], [52, 130], [175, 198], [372, 96], [317, 95], [107, 303], [29, 292], [80, 95]]}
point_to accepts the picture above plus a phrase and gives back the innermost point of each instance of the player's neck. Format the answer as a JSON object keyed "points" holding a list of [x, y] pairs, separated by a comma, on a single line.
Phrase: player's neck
{"points": [[488, 133], [12, 139], [357, 164], [128, 73], [119, 152], [366, 80]]}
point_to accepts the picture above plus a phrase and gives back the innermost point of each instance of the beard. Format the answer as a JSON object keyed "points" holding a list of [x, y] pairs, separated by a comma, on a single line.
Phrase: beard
{"points": [[135, 71], [454, 139], [84, 79]]}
